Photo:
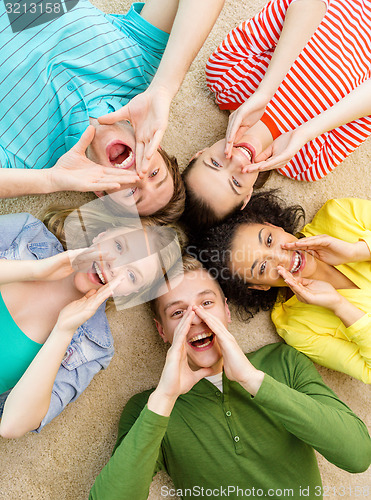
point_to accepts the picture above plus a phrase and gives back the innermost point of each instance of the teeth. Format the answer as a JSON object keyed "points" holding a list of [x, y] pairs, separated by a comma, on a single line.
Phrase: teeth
{"points": [[125, 162], [296, 264], [245, 151], [199, 337], [99, 273]]}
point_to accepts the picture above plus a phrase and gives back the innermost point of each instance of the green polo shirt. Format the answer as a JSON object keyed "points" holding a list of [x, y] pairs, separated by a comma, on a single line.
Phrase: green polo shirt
{"points": [[214, 442]]}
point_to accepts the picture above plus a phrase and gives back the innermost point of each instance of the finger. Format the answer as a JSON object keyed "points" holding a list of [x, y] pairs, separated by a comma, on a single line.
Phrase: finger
{"points": [[139, 154], [98, 186], [116, 116], [233, 125], [264, 155], [85, 140], [153, 145], [212, 322], [183, 327]]}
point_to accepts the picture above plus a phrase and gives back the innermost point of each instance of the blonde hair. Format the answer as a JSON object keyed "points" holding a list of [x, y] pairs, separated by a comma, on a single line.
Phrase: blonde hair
{"points": [[95, 217]]}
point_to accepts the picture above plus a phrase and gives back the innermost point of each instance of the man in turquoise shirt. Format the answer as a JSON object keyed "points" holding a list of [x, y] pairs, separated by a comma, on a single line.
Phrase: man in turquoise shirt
{"points": [[223, 423], [59, 76]]}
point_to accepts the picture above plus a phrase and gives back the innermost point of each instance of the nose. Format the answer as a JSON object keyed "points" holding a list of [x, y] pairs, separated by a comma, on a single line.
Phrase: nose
{"points": [[281, 257], [196, 320]]}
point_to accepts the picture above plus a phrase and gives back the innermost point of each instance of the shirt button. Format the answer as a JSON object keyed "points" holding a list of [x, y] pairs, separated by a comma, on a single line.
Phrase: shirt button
{"points": [[228, 413], [236, 438], [70, 86], [217, 394]]}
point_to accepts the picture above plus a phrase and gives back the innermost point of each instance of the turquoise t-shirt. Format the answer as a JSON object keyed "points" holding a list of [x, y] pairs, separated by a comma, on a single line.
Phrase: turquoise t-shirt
{"points": [[17, 350], [55, 75]]}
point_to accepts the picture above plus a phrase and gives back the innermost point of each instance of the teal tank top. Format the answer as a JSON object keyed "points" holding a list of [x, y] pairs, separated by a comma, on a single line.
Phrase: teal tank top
{"points": [[17, 350]]}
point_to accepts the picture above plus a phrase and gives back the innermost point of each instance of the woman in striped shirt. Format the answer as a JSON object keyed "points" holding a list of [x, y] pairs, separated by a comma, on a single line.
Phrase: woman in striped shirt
{"points": [[297, 78]]}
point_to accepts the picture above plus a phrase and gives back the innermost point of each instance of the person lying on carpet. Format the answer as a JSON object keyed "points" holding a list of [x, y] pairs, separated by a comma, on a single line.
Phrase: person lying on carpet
{"points": [[297, 79], [63, 72], [217, 409], [55, 334], [319, 285]]}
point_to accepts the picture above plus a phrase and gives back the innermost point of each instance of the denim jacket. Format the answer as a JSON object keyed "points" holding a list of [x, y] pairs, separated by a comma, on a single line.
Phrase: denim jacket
{"points": [[91, 349]]}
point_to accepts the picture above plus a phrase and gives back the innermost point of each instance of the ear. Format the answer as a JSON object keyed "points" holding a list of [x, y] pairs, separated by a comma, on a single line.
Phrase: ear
{"points": [[100, 194], [227, 311], [197, 154], [161, 331], [265, 288], [246, 200]]}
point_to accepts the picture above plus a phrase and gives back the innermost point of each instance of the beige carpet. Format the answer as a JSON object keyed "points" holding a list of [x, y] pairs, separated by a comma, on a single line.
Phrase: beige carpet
{"points": [[62, 462]]}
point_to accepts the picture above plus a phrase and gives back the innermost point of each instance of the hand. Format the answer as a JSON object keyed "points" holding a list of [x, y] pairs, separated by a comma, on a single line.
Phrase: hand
{"points": [[148, 113], [236, 365], [327, 249], [65, 263], [177, 377], [75, 172], [242, 119], [315, 292], [279, 153], [75, 314]]}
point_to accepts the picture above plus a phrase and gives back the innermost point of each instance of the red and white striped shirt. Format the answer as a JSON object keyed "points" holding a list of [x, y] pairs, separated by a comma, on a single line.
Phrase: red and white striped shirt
{"points": [[336, 60]]}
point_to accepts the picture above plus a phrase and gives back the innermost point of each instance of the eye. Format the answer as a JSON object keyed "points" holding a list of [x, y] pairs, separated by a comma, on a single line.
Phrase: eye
{"points": [[118, 246], [235, 182], [154, 173], [262, 268], [131, 192], [206, 303], [215, 163], [131, 276], [269, 240], [179, 312]]}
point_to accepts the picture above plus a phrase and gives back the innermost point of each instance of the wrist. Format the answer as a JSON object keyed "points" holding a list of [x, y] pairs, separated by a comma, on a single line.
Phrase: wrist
{"points": [[361, 251], [252, 381], [163, 87], [161, 403], [49, 184], [339, 305]]}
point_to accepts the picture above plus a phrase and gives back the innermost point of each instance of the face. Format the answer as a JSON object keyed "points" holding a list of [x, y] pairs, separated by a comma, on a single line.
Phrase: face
{"points": [[114, 146], [196, 288], [219, 180], [121, 258], [256, 252]]}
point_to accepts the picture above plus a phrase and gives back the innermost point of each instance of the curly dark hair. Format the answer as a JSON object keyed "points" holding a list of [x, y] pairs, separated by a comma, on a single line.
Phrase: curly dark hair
{"points": [[213, 247], [198, 215]]}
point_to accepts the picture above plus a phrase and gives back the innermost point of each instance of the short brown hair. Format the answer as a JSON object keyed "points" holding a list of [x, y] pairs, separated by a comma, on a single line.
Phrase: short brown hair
{"points": [[174, 209], [190, 264], [198, 214]]}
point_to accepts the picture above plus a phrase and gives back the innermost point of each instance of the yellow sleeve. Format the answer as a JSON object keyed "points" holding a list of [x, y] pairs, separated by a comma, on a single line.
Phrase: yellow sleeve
{"points": [[348, 219], [352, 356]]}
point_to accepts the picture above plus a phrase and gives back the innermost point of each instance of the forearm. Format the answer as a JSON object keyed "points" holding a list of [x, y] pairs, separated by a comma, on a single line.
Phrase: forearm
{"points": [[301, 20], [355, 105], [20, 182], [12, 271], [28, 402], [319, 419], [192, 24], [139, 450]]}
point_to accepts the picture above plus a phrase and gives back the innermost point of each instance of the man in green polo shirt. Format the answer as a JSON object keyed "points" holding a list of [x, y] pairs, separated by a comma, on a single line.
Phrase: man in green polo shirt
{"points": [[222, 423]]}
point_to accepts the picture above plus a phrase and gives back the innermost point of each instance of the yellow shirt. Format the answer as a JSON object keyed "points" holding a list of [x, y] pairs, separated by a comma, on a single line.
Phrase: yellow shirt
{"points": [[318, 332]]}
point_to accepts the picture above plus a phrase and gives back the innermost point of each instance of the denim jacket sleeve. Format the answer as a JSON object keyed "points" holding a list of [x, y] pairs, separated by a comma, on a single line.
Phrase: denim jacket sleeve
{"points": [[90, 351]]}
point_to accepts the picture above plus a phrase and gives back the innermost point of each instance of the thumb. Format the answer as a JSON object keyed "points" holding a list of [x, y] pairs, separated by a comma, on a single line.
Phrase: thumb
{"points": [[85, 139], [264, 155], [204, 372]]}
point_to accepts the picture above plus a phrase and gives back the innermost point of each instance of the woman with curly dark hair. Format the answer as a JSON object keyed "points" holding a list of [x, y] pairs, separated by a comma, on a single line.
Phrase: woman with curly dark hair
{"points": [[320, 285]]}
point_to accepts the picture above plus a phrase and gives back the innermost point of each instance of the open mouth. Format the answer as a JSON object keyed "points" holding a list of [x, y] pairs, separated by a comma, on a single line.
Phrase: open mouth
{"points": [[120, 154], [247, 150], [96, 275], [202, 340], [297, 262]]}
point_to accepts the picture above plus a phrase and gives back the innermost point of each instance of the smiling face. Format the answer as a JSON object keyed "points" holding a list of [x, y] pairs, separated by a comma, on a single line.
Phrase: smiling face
{"points": [[196, 288], [256, 252], [114, 146], [124, 254], [219, 181]]}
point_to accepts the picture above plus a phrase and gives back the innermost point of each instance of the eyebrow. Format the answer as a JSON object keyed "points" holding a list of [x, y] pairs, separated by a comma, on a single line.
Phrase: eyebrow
{"points": [[261, 242], [218, 170], [178, 302], [156, 185]]}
